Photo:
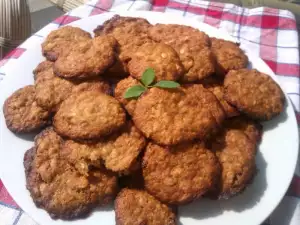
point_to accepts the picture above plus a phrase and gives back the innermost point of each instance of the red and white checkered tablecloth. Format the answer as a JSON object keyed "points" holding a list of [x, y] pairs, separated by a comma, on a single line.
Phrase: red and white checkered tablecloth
{"points": [[270, 33]]}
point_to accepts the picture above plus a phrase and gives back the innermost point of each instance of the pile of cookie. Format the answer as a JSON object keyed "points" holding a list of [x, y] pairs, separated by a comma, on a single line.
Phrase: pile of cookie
{"points": [[166, 147]]}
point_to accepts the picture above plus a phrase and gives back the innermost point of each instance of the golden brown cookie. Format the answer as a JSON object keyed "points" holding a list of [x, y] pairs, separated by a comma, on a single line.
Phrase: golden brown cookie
{"points": [[136, 207], [22, 113], [67, 195], [218, 90], [254, 93], [87, 58], [89, 115], [179, 174], [228, 55], [173, 116], [251, 128], [52, 90], [130, 33], [236, 154], [119, 151], [41, 67], [162, 58], [120, 90], [96, 84], [191, 46], [58, 40], [48, 146]]}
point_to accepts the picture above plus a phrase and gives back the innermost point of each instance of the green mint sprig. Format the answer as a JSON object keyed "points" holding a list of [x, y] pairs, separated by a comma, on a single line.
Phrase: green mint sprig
{"points": [[147, 79]]}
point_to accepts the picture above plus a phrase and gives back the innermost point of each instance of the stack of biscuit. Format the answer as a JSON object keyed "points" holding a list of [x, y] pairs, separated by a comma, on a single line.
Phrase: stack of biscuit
{"points": [[167, 147]]}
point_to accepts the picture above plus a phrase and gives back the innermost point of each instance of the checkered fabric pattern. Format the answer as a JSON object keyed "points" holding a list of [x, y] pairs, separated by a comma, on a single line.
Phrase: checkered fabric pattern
{"points": [[269, 33]]}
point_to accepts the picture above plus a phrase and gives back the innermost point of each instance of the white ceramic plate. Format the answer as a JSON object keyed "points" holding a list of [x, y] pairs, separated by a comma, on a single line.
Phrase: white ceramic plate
{"points": [[276, 158]]}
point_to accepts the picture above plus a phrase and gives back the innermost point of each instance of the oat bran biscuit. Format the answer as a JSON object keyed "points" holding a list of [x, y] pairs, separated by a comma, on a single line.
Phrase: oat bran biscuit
{"points": [[59, 39], [228, 55], [179, 174], [120, 90], [96, 84], [51, 90], [218, 90], [22, 113], [48, 146], [87, 58], [183, 114], [251, 128], [119, 152], [192, 47], [236, 154], [254, 93], [41, 67], [89, 115], [135, 207], [68, 195], [162, 58], [130, 33]]}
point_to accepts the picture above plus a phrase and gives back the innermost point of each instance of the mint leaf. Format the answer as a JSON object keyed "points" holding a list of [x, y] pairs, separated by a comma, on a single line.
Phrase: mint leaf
{"points": [[167, 84], [134, 91], [148, 76]]}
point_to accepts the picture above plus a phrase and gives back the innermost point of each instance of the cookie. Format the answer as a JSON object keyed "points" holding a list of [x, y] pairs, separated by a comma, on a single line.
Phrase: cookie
{"points": [[41, 67], [172, 116], [251, 128], [236, 154], [119, 152], [96, 84], [58, 40], [68, 195], [87, 58], [192, 47], [89, 115], [135, 207], [130, 33], [228, 55], [162, 58], [179, 174], [120, 90], [22, 113], [218, 90], [51, 90], [254, 93]]}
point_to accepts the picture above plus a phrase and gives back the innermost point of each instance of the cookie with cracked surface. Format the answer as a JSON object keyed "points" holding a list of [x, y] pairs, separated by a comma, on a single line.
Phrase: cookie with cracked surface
{"points": [[179, 174], [120, 90], [183, 114], [218, 90], [135, 207], [119, 152], [228, 56], [59, 39], [254, 93], [48, 146], [87, 58], [192, 47], [89, 115], [236, 154], [162, 58], [130, 33], [68, 195], [41, 68], [52, 90], [250, 127], [22, 113]]}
